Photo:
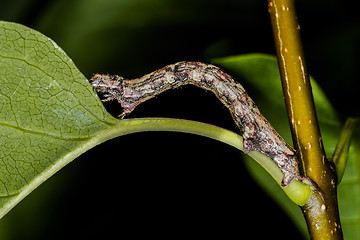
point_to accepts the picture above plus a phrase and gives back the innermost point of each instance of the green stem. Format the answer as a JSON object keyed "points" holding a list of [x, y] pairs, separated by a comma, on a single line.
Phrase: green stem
{"points": [[135, 125], [321, 212]]}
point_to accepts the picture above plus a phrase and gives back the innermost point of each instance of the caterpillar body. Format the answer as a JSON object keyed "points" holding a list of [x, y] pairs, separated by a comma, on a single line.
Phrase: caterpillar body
{"points": [[257, 132]]}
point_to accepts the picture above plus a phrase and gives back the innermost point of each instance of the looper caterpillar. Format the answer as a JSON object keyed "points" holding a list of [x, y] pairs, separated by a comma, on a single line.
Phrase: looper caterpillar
{"points": [[257, 132]]}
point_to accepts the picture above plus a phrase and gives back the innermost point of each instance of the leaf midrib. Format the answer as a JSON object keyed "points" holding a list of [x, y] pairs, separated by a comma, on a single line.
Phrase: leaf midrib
{"points": [[45, 134]]}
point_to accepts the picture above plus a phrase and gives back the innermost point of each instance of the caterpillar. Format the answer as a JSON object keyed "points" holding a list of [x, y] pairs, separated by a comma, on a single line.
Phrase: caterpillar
{"points": [[257, 132]]}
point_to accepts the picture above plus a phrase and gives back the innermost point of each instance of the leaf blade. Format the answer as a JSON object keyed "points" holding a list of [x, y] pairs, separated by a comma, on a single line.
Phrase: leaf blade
{"points": [[47, 109], [33, 65]]}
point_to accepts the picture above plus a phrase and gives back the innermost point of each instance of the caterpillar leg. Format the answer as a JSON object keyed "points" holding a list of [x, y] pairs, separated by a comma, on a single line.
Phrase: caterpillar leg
{"points": [[121, 115], [108, 98]]}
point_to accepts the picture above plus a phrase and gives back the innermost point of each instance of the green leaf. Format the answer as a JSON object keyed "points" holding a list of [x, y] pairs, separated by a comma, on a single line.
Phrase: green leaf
{"points": [[259, 72], [48, 111], [341, 152], [349, 191]]}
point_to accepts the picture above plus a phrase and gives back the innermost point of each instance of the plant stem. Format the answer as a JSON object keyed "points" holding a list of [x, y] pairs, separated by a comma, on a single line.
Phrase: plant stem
{"points": [[321, 211]]}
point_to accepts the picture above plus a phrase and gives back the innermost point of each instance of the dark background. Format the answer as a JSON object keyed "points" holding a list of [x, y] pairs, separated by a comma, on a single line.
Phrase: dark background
{"points": [[168, 185]]}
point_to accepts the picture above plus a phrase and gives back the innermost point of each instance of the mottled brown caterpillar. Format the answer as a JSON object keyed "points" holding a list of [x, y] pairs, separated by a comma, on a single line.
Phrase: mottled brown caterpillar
{"points": [[257, 132]]}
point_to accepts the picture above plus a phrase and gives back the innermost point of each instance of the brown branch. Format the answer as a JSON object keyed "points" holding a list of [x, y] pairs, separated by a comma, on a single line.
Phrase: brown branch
{"points": [[321, 212]]}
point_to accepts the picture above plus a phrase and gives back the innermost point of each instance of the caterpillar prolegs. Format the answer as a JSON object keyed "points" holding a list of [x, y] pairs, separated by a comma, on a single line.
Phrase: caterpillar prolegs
{"points": [[257, 132]]}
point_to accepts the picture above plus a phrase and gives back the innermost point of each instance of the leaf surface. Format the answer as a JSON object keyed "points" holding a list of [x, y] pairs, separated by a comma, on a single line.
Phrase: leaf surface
{"points": [[260, 74], [47, 110]]}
